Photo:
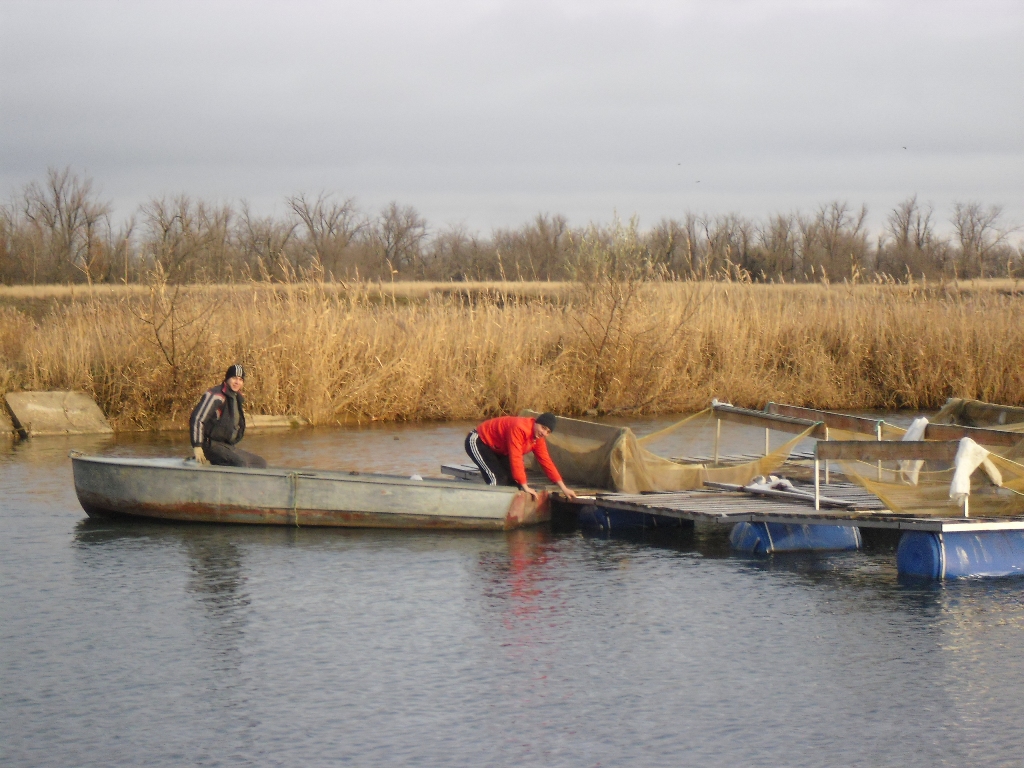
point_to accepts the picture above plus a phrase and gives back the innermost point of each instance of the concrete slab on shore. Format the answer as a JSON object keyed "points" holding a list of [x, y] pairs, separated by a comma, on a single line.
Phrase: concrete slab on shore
{"points": [[55, 413], [6, 425]]}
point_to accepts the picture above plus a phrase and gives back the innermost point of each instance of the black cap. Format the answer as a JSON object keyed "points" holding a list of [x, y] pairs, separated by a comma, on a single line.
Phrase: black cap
{"points": [[235, 370], [547, 420]]}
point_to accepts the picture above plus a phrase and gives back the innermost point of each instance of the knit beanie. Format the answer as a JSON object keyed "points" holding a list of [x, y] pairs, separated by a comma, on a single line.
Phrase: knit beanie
{"points": [[235, 370], [547, 420]]}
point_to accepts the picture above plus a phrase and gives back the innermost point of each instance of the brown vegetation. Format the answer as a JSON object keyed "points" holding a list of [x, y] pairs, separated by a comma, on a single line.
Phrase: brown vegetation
{"points": [[333, 353]]}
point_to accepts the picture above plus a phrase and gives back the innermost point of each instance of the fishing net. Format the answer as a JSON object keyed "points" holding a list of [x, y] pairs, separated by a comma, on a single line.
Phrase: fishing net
{"points": [[996, 487], [924, 488], [976, 413], [612, 457]]}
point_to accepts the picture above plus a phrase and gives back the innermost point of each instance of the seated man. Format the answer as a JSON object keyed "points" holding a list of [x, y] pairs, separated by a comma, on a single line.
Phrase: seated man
{"points": [[498, 445], [218, 423]]}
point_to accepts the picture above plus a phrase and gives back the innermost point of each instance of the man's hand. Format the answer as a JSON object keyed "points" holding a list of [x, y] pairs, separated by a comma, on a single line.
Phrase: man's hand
{"points": [[529, 490], [569, 493], [200, 456]]}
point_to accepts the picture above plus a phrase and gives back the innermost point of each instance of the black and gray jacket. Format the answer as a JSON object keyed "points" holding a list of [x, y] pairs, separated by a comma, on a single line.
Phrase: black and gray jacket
{"points": [[215, 417]]}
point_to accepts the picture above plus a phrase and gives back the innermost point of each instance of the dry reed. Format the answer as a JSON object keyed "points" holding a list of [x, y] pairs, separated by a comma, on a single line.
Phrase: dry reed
{"points": [[448, 351]]}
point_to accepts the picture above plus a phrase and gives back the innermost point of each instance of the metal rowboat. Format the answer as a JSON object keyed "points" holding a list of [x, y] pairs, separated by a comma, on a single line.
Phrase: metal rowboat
{"points": [[179, 489]]}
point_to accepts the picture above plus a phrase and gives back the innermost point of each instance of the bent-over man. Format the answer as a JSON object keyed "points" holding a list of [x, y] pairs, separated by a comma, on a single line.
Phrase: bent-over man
{"points": [[498, 445], [218, 423]]}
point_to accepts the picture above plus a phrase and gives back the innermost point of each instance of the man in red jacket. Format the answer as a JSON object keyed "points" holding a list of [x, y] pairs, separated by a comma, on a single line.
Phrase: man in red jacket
{"points": [[498, 445]]}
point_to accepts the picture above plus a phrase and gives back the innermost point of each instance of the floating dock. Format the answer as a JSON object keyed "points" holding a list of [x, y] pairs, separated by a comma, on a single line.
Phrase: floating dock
{"points": [[820, 515]]}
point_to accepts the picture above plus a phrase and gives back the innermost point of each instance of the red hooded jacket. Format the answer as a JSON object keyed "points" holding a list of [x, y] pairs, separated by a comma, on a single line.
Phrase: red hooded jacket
{"points": [[512, 436]]}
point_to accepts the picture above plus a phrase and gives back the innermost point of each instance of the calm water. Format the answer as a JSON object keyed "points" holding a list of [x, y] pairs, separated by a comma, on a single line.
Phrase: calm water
{"points": [[138, 644]]}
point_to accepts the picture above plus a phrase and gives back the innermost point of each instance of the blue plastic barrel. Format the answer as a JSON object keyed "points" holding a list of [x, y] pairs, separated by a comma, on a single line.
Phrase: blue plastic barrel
{"points": [[765, 538], [960, 554]]}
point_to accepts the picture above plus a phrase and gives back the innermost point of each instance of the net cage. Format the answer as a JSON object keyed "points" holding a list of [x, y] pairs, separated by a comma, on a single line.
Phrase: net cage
{"points": [[996, 489], [925, 489], [614, 458]]}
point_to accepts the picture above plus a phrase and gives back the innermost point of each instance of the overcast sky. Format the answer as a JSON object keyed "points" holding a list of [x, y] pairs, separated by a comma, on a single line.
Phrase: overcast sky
{"points": [[485, 113]]}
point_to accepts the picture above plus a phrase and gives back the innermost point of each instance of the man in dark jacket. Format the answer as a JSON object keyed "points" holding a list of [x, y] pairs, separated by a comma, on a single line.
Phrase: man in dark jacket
{"points": [[218, 423]]}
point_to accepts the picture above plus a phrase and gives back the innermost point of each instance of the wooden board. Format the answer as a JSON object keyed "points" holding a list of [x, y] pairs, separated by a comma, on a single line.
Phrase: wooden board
{"points": [[886, 450], [980, 435], [768, 421], [832, 420]]}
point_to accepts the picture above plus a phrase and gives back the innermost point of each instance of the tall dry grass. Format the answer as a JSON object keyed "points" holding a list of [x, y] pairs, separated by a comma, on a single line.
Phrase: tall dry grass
{"points": [[366, 352]]}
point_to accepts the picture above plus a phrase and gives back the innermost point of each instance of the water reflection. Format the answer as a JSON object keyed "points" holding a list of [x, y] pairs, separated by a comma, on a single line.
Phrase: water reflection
{"points": [[217, 582], [215, 573], [515, 577]]}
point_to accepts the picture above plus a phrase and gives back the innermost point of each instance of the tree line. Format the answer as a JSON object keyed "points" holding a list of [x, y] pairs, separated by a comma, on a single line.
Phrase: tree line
{"points": [[60, 231]]}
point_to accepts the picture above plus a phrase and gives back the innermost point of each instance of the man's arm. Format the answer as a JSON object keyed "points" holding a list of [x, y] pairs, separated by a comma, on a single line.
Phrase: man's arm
{"points": [[540, 450], [516, 444], [569, 493], [197, 426]]}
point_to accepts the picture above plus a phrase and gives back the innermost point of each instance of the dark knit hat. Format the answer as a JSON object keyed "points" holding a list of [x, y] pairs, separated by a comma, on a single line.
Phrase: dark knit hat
{"points": [[547, 420], [235, 370]]}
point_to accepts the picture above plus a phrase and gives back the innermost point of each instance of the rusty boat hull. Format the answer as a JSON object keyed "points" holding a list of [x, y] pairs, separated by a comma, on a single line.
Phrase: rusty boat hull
{"points": [[181, 490]]}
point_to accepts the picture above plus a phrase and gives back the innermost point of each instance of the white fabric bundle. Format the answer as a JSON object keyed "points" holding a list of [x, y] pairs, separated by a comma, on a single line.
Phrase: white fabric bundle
{"points": [[969, 456], [770, 483], [911, 470]]}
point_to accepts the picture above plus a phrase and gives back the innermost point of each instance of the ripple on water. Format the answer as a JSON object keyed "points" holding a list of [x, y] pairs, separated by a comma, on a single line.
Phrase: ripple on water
{"points": [[129, 644]]}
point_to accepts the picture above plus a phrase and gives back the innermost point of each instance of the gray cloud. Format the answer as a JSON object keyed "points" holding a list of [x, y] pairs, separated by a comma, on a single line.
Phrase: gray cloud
{"points": [[487, 112]]}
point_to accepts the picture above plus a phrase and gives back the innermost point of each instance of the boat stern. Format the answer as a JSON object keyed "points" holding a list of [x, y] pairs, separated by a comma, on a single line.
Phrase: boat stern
{"points": [[526, 511]]}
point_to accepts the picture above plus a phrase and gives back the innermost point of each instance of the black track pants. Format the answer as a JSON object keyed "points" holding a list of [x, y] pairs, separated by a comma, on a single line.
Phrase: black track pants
{"points": [[226, 455], [494, 467]]}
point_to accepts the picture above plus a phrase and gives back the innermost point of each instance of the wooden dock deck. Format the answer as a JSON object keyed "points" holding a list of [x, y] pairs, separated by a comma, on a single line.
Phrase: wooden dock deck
{"points": [[841, 503]]}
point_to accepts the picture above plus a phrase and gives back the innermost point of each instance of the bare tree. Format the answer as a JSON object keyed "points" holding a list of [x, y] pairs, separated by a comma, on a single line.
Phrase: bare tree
{"points": [[329, 228], [537, 251], [979, 234], [70, 225], [909, 244], [667, 246], [779, 247], [398, 234], [189, 240], [454, 254], [264, 243], [834, 242]]}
